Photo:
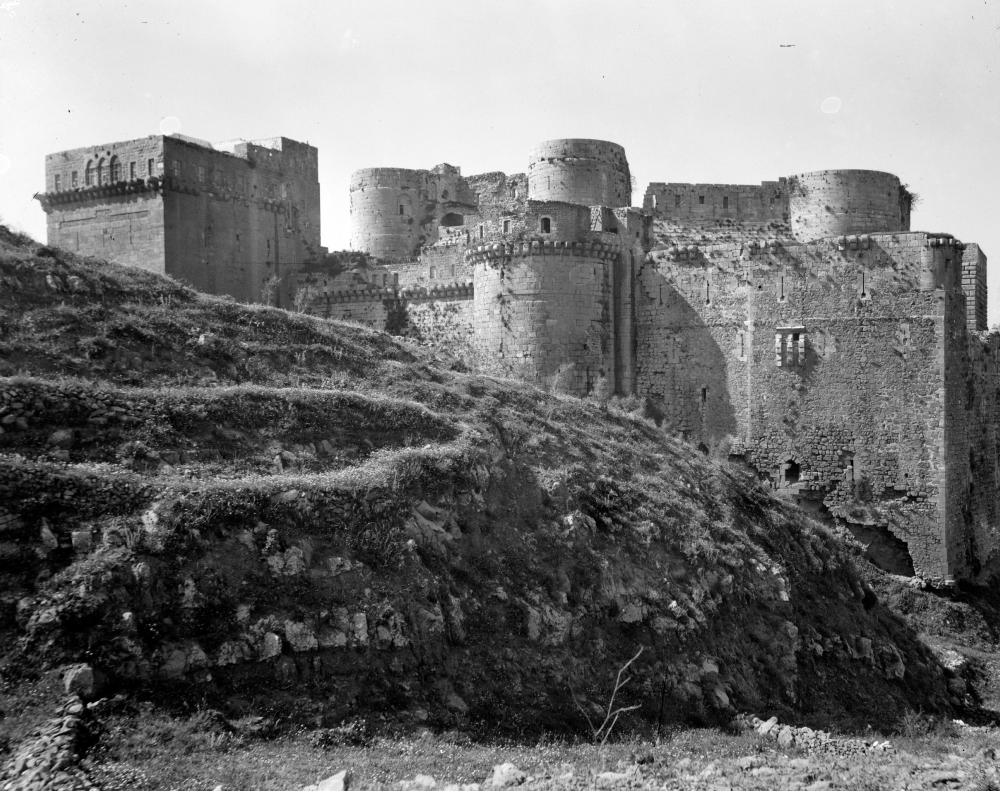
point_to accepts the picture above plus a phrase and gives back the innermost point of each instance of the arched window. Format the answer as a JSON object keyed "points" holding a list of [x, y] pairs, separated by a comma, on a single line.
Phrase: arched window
{"points": [[88, 174], [546, 225], [102, 173], [444, 195], [116, 170], [452, 219]]}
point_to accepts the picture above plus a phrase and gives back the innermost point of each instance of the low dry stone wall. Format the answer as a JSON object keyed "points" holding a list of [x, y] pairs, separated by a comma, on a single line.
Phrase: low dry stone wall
{"points": [[48, 758]]}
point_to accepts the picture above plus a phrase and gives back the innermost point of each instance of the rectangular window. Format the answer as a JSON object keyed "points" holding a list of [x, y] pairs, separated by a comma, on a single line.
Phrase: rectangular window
{"points": [[201, 174], [238, 247], [725, 203], [677, 200], [433, 273], [701, 199], [131, 170], [395, 278], [58, 182], [75, 178], [151, 167], [176, 167], [506, 226], [268, 249]]}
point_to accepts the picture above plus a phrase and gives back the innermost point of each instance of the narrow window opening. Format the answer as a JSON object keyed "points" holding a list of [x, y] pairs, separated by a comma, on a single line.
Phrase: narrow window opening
{"points": [[708, 293], [74, 179], [725, 203], [677, 200], [704, 396], [794, 350], [482, 231], [385, 280], [862, 286], [238, 247], [401, 209], [150, 167], [546, 225], [395, 278], [654, 201], [131, 171], [116, 170], [433, 273], [58, 182], [701, 199], [506, 226], [102, 173]]}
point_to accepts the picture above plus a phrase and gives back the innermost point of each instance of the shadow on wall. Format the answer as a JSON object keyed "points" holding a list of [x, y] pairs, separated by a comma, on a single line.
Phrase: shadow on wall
{"points": [[683, 366]]}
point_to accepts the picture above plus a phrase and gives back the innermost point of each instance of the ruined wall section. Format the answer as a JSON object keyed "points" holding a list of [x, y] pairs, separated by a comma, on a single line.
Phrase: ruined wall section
{"points": [[827, 203], [826, 364], [706, 213], [974, 285], [583, 172], [120, 220], [395, 211]]}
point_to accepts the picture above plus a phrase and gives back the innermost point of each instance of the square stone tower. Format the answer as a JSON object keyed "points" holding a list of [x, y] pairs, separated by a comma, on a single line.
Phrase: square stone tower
{"points": [[233, 218]]}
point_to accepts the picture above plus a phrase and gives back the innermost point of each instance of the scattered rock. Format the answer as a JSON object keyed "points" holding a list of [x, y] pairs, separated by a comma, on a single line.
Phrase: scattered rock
{"points": [[79, 680], [507, 774]]}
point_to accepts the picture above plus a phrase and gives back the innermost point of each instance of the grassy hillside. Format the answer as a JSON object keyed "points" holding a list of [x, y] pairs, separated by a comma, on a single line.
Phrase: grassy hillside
{"points": [[272, 513]]}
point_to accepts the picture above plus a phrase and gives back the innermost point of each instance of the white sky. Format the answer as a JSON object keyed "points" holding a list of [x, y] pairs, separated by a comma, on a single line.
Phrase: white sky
{"points": [[695, 91]]}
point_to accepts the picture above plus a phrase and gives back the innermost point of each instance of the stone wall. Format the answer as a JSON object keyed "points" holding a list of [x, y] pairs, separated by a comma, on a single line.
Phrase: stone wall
{"points": [[544, 309], [584, 172], [709, 204], [974, 285], [835, 202], [91, 215], [225, 221], [396, 211], [824, 365]]}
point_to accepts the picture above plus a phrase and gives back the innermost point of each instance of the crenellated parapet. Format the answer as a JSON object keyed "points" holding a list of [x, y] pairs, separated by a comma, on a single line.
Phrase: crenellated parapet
{"points": [[602, 250]]}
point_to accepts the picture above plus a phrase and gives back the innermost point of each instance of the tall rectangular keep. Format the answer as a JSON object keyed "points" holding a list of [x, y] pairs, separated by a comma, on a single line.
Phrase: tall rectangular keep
{"points": [[236, 218]]}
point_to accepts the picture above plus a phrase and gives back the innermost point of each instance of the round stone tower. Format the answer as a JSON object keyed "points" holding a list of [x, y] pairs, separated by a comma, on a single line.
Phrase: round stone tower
{"points": [[585, 172], [383, 204], [543, 307], [839, 202]]}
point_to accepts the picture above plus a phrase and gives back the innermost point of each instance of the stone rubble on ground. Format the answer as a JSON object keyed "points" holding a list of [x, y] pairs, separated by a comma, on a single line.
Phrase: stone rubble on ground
{"points": [[48, 758], [808, 739]]}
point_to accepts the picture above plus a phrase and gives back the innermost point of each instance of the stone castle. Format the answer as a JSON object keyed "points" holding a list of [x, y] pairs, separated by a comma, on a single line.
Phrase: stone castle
{"points": [[798, 325]]}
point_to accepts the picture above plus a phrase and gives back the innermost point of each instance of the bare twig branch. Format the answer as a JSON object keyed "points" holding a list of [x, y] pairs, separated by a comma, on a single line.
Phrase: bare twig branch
{"points": [[611, 717]]}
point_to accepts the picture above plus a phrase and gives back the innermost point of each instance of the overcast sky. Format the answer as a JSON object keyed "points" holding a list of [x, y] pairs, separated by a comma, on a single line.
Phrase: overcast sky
{"points": [[724, 92]]}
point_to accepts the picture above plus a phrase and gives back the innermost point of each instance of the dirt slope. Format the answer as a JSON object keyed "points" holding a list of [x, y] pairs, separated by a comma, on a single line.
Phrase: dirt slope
{"points": [[263, 509]]}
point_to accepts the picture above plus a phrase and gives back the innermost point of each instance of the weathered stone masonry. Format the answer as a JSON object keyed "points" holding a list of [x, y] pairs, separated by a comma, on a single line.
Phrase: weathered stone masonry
{"points": [[799, 324], [227, 218]]}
